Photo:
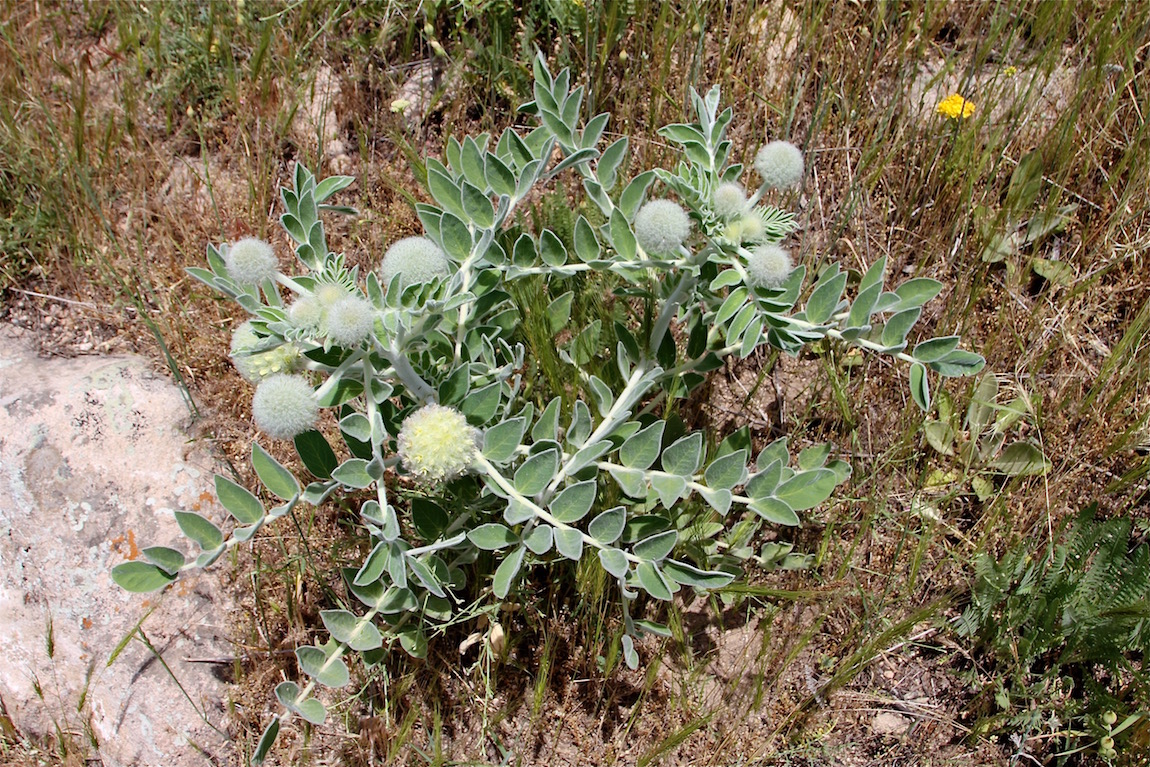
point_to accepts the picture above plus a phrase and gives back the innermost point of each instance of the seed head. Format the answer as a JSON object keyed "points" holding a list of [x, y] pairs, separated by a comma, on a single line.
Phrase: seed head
{"points": [[415, 260], [729, 200], [437, 444], [256, 366], [768, 266], [349, 321], [780, 164], [250, 261], [661, 226], [284, 406]]}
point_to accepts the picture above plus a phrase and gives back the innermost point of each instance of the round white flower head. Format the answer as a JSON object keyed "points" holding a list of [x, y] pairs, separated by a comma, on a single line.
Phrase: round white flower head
{"points": [[436, 443], [780, 164], [284, 406], [751, 227], [661, 226], [415, 260], [768, 266], [349, 321], [255, 367], [729, 200], [306, 313], [250, 261], [328, 294]]}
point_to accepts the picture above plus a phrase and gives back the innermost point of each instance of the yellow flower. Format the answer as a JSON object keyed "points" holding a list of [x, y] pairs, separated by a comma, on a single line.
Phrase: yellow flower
{"points": [[955, 107]]}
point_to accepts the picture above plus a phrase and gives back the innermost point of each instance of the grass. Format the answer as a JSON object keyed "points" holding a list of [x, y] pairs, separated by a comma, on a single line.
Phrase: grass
{"points": [[131, 136]]}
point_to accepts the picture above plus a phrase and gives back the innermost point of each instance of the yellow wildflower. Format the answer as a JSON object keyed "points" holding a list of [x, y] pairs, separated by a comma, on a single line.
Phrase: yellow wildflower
{"points": [[955, 107]]}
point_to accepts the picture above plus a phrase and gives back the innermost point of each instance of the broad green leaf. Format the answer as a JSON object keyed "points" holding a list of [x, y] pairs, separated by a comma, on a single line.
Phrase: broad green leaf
{"points": [[140, 577], [356, 633], [687, 575], [685, 456], [652, 581], [669, 487], [622, 238], [958, 363], [573, 502], [481, 405], [608, 165], [506, 572], [316, 453], [499, 176], [547, 426], [825, 297], [632, 196], [614, 561], [539, 540], [919, 387], [608, 526], [492, 536], [863, 307], [310, 709], [874, 275], [551, 249], [330, 672], [728, 471], [373, 565], [200, 530], [807, 489], [651, 627], [727, 278], [429, 519], [501, 441], [719, 500], [456, 237], [1021, 459], [657, 547], [917, 292], [731, 305], [630, 656], [569, 542], [814, 457], [643, 526], [267, 740], [764, 483], [536, 472], [580, 428], [632, 481], [776, 451], [353, 473], [940, 436], [413, 641], [356, 426], [477, 206], [642, 448], [277, 479], [601, 393], [774, 510], [897, 327], [586, 243], [935, 348], [239, 502], [425, 575], [559, 311], [169, 560], [517, 513]]}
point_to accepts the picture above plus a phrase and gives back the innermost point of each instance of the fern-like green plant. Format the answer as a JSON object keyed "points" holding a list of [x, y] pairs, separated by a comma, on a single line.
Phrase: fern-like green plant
{"points": [[1062, 635]]}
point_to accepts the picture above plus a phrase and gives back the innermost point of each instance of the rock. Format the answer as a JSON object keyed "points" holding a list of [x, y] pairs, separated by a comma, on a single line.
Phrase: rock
{"points": [[889, 723], [93, 459]]}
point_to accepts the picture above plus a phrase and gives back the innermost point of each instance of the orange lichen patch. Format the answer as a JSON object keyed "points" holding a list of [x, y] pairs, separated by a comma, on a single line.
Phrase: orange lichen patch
{"points": [[86, 623], [130, 539], [205, 497]]}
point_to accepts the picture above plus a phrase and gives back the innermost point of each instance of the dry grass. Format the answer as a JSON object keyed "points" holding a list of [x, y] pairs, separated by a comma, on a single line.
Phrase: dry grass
{"points": [[133, 135]]}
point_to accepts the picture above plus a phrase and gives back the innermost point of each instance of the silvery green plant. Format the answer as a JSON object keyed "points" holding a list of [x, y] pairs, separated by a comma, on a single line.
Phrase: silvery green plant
{"points": [[462, 481]]}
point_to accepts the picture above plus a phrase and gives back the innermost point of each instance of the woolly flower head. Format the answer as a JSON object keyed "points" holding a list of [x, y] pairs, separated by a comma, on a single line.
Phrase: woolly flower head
{"points": [[415, 260], [306, 313], [780, 164], [284, 406], [768, 266], [955, 107], [259, 365], [729, 200], [436, 443], [661, 226], [250, 261], [349, 321]]}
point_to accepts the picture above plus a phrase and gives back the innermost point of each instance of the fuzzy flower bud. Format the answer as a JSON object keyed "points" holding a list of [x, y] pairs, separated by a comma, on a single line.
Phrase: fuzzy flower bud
{"points": [[250, 261], [349, 321], [768, 266], [729, 200], [436, 443], [255, 366], [284, 406], [306, 313], [415, 260], [661, 226], [780, 164]]}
